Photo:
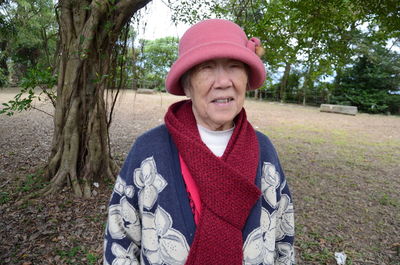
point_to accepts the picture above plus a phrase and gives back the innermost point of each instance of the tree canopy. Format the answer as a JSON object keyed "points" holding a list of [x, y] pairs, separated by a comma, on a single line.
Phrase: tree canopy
{"points": [[316, 38]]}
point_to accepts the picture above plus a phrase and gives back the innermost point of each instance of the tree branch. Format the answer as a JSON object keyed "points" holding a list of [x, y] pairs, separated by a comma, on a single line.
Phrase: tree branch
{"points": [[42, 111], [125, 10]]}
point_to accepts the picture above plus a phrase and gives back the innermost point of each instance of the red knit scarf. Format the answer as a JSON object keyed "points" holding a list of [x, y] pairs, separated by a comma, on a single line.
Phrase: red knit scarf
{"points": [[226, 185]]}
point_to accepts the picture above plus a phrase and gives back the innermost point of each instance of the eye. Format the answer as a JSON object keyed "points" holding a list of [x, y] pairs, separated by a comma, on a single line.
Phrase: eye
{"points": [[236, 64], [206, 65]]}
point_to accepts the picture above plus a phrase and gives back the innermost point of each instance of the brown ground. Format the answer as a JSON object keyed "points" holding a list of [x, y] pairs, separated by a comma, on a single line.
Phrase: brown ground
{"points": [[344, 174]]}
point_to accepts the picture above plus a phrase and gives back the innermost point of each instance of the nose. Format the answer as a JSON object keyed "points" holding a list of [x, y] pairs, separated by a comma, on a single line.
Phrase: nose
{"points": [[222, 78]]}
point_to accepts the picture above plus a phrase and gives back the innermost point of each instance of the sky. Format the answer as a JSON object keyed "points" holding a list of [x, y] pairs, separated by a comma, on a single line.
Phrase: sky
{"points": [[159, 24]]}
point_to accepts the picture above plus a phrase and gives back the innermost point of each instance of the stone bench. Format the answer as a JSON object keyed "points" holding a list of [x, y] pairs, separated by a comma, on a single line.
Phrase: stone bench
{"points": [[342, 109], [146, 91]]}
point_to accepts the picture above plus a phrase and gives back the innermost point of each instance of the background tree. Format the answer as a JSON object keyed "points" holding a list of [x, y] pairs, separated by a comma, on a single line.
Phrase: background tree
{"points": [[155, 60], [369, 81], [29, 35], [4, 32], [28, 51]]}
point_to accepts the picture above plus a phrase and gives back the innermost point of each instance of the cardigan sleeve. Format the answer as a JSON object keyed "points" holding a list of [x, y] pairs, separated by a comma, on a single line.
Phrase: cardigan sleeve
{"points": [[122, 239], [277, 201], [284, 237]]}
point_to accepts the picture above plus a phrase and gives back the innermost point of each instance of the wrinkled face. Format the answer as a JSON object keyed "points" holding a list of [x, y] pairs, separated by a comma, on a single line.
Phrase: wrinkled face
{"points": [[217, 89]]}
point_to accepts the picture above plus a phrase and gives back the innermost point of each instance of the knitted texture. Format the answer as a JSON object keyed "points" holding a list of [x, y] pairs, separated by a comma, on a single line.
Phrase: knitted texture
{"points": [[226, 185]]}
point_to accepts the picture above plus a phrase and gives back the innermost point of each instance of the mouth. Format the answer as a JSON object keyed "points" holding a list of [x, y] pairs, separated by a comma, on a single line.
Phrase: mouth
{"points": [[222, 100]]}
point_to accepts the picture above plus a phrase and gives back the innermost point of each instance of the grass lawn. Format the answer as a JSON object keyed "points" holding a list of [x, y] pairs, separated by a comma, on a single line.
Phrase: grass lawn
{"points": [[344, 174]]}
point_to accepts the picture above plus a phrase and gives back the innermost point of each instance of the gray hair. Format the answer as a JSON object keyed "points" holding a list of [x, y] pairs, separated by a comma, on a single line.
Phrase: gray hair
{"points": [[185, 80]]}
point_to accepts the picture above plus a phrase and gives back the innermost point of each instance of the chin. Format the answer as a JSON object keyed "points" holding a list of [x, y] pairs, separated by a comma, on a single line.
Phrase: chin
{"points": [[224, 121]]}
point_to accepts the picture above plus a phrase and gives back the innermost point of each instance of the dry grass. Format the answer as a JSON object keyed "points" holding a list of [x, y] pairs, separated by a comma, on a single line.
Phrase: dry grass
{"points": [[344, 174]]}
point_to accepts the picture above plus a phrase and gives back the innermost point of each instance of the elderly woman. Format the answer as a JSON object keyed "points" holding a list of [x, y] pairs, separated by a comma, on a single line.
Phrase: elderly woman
{"points": [[205, 188]]}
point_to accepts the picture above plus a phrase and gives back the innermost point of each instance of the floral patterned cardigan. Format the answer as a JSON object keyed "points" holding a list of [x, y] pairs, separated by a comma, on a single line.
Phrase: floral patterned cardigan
{"points": [[150, 220]]}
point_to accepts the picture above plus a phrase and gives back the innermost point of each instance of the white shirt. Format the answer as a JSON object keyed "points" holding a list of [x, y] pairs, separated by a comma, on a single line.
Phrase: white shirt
{"points": [[216, 141]]}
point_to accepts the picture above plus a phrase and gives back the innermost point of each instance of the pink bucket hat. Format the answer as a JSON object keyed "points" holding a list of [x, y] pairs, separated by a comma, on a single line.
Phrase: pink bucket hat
{"points": [[211, 39]]}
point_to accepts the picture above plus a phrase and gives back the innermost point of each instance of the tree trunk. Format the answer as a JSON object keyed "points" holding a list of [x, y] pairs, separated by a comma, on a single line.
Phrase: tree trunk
{"points": [[284, 82], [308, 84], [80, 151], [305, 87]]}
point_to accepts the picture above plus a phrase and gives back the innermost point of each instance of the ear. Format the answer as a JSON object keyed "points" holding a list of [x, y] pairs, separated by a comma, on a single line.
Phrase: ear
{"points": [[187, 90]]}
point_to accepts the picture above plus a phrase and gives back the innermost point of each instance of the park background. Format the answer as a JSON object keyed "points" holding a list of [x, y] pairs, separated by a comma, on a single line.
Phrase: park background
{"points": [[70, 71]]}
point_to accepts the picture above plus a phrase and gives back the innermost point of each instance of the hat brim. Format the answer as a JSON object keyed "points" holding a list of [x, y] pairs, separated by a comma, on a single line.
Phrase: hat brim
{"points": [[214, 50]]}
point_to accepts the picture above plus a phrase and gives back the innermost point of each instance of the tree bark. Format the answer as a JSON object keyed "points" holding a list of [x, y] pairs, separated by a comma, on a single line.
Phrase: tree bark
{"points": [[80, 151]]}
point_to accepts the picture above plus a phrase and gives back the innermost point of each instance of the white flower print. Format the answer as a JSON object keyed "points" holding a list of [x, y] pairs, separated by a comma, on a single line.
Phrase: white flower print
{"points": [[149, 182], [122, 189], [253, 248], [285, 253], [162, 244], [123, 220], [270, 180], [268, 227], [285, 218], [260, 243], [124, 256]]}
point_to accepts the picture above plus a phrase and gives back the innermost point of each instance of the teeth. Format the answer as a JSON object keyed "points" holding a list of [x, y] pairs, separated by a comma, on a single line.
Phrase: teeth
{"points": [[226, 100]]}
